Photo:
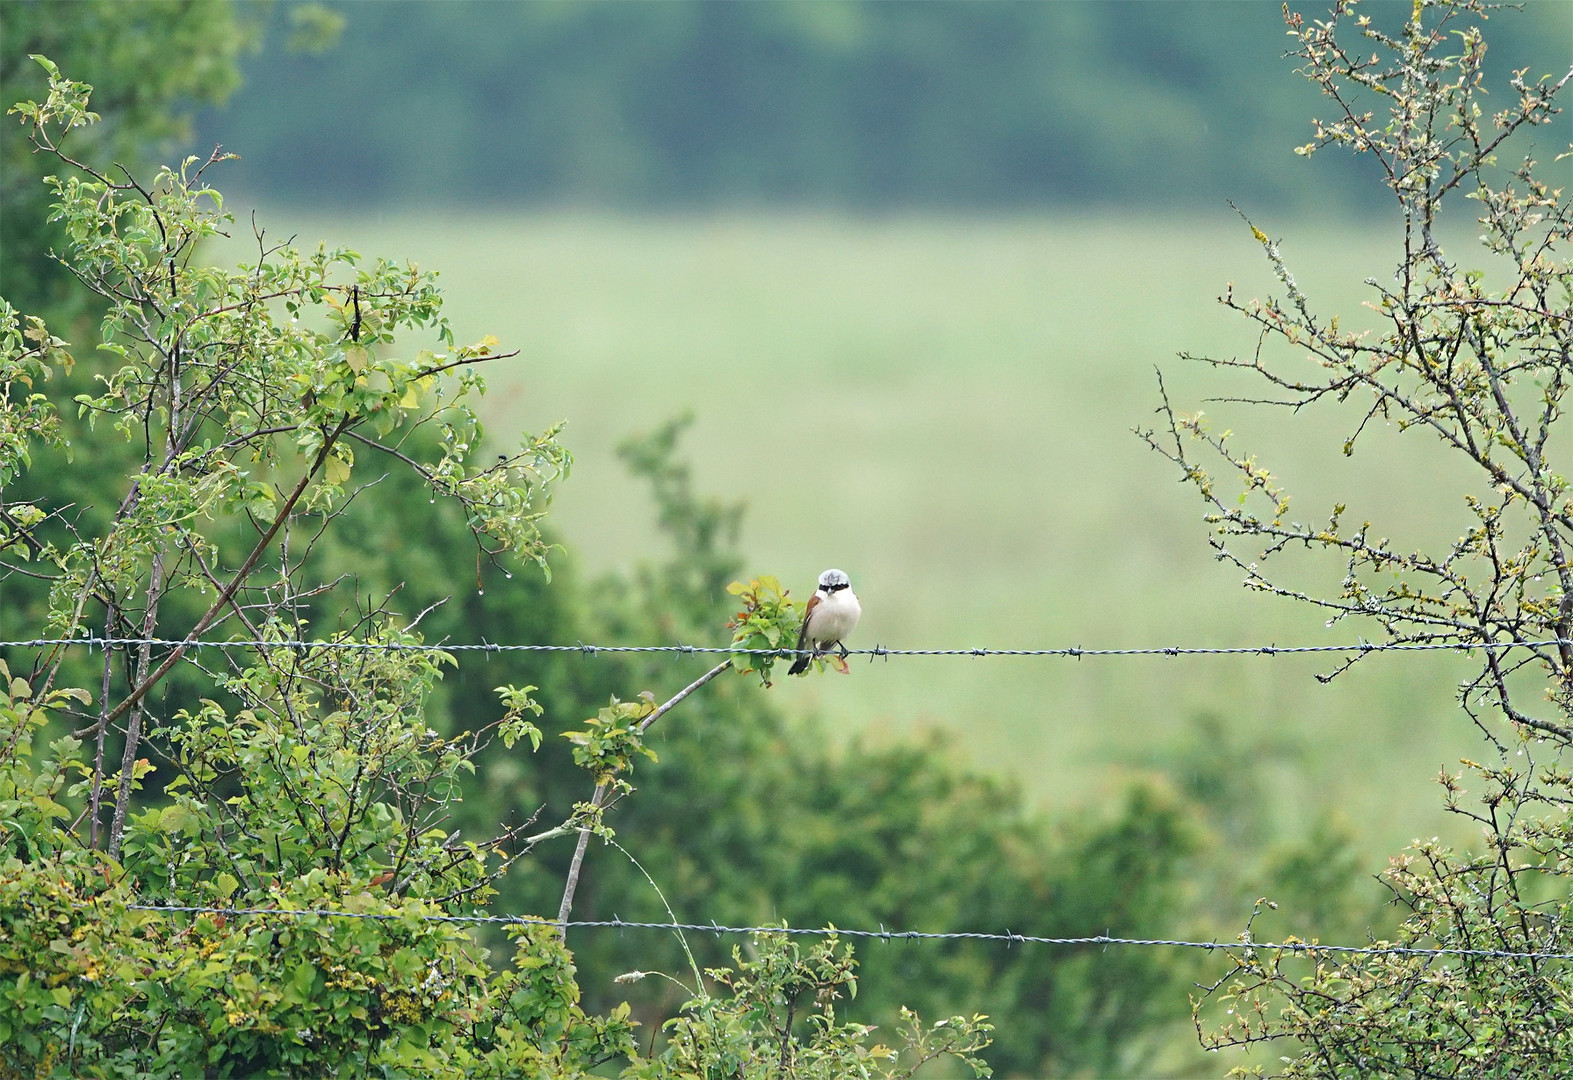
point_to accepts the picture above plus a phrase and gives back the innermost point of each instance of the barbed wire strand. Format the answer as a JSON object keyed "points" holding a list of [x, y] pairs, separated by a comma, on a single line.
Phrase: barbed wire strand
{"points": [[1074, 652], [1006, 936]]}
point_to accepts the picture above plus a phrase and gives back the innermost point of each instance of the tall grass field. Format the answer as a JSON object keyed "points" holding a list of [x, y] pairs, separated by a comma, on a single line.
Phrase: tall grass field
{"points": [[943, 407]]}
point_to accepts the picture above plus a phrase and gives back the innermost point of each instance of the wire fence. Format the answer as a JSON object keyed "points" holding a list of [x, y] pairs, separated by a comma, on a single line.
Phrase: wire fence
{"points": [[1006, 937], [877, 651]]}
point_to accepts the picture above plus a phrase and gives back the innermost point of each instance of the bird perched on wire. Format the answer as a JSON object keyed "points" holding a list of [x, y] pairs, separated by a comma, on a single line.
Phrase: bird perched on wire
{"points": [[832, 612]]}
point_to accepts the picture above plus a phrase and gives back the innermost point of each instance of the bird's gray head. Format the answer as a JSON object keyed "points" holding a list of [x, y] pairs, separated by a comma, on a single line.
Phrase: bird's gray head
{"points": [[834, 580]]}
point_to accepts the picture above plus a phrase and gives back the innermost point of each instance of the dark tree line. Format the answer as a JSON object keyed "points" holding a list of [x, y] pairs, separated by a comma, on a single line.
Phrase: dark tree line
{"points": [[855, 105]]}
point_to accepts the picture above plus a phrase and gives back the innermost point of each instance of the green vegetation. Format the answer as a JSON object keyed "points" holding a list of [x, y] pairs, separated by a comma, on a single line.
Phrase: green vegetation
{"points": [[243, 423], [101, 41], [232, 470], [245, 401]]}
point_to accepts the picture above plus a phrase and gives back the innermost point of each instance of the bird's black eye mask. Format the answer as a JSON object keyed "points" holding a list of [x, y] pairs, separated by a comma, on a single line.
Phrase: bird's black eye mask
{"points": [[836, 588]]}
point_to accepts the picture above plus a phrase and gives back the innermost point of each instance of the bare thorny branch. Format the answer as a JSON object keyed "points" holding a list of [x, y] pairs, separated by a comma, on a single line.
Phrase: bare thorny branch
{"points": [[1485, 374], [1449, 363]]}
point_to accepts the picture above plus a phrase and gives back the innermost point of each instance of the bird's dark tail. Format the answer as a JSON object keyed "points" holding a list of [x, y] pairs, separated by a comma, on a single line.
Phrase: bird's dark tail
{"points": [[800, 666]]}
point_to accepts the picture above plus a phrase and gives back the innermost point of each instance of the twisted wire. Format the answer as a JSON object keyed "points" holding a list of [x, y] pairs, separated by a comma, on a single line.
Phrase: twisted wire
{"points": [[1006, 936], [1073, 652]]}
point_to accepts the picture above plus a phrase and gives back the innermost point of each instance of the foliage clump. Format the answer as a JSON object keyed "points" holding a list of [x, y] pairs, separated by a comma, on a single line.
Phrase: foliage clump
{"points": [[265, 878]]}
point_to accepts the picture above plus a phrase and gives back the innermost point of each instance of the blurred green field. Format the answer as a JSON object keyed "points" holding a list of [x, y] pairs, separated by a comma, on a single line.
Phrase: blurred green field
{"points": [[942, 407]]}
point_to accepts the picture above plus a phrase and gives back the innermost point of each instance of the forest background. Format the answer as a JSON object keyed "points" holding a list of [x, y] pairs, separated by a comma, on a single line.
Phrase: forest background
{"points": [[971, 231]]}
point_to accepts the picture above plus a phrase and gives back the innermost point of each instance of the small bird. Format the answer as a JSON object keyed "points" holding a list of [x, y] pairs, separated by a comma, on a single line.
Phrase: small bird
{"points": [[831, 614]]}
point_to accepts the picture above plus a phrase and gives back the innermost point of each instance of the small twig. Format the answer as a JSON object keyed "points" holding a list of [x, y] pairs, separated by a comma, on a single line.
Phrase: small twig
{"points": [[644, 725]]}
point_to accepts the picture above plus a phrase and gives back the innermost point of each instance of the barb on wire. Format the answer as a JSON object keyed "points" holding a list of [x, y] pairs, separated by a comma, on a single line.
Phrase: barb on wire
{"points": [[591, 651], [1009, 937]]}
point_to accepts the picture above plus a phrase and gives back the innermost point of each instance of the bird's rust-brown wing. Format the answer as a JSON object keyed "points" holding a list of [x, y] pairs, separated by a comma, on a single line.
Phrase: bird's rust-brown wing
{"points": [[808, 613]]}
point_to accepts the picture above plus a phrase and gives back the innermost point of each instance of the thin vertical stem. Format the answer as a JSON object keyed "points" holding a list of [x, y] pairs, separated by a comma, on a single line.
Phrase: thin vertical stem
{"points": [[103, 731], [128, 758], [571, 885]]}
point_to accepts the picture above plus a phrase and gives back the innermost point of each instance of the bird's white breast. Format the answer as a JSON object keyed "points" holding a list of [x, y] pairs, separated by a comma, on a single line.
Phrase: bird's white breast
{"points": [[834, 616]]}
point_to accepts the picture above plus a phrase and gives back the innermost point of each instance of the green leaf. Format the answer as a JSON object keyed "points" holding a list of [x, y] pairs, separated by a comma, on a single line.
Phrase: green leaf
{"points": [[176, 819], [302, 978], [335, 470]]}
